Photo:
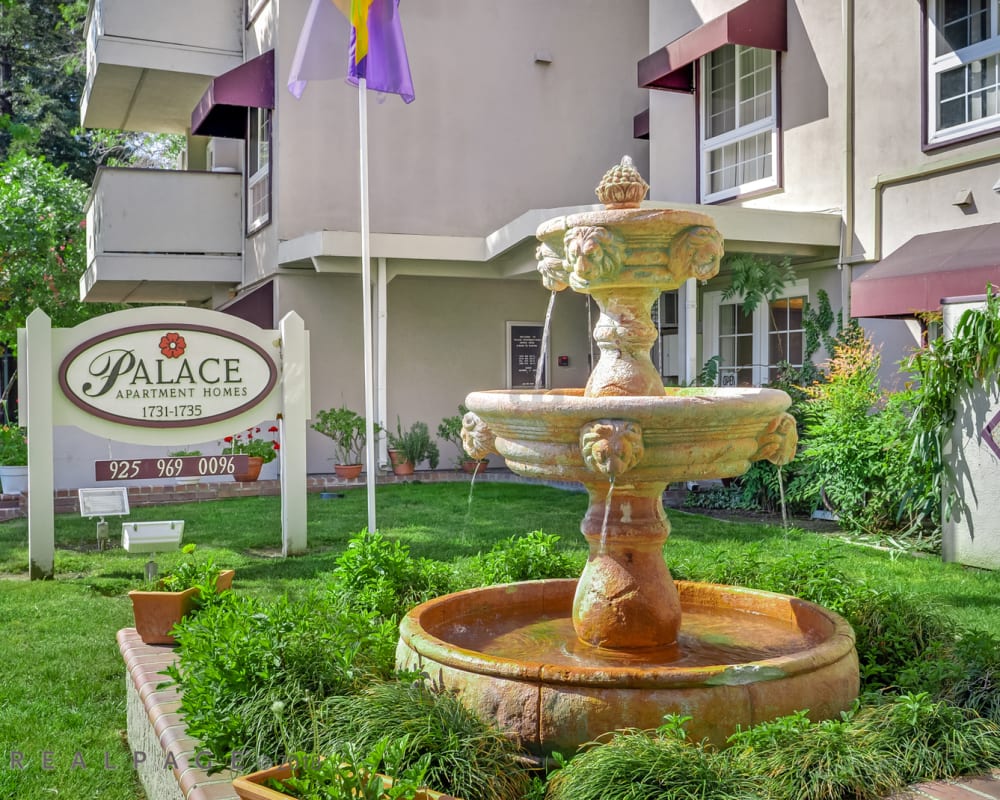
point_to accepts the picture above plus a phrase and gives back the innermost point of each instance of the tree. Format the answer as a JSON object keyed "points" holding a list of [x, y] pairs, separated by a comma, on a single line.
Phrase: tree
{"points": [[42, 245], [42, 75]]}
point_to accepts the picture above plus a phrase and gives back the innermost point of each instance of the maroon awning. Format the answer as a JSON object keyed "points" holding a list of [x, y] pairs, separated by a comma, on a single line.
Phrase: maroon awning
{"points": [[928, 267], [222, 110], [640, 125], [755, 23]]}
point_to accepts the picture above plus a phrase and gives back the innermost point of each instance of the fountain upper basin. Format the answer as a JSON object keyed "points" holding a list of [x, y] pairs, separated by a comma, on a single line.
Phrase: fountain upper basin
{"points": [[744, 656], [690, 433]]}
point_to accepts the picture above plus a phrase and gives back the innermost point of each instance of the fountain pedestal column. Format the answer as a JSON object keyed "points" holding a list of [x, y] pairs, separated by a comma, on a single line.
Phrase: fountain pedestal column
{"points": [[625, 598]]}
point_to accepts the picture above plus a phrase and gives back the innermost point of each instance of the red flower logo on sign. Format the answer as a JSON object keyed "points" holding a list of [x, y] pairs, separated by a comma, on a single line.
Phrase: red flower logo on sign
{"points": [[172, 345]]}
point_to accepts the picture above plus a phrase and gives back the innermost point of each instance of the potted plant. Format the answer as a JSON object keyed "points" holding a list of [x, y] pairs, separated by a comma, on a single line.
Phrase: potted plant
{"points": [[250, 443], [175, 595], [343, 776], [450, 430], [13, 459], [347, 430], [185, 480], [407, 449]]}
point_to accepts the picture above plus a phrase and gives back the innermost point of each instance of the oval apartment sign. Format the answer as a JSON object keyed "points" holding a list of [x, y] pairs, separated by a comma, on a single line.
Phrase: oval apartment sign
{"points": [[158, 376]]}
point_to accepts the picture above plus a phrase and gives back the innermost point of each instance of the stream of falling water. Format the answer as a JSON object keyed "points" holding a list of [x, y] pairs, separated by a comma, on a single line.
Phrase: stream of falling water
{"points": [[472, 485], [607, 511], [781, 494], [540, 367]]}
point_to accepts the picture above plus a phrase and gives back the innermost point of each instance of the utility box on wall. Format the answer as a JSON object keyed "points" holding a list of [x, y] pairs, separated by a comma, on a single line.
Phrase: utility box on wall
{"points": [[971, 533]]}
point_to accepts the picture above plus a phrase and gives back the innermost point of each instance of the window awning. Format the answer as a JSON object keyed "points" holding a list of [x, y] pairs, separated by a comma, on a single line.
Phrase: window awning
{"points": [[222, 110], [928, 267], [755, 23]]}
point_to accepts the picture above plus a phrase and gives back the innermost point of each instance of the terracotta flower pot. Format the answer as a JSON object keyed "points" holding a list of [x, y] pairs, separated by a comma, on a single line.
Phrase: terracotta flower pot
{"points": [[254, 464], [251, 787], [347, 472], [156, 613], [400, 465], [474, 467]]}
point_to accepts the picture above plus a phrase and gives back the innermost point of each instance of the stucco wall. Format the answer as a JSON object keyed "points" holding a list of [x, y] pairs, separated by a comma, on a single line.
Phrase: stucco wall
{"points": [[971, 535], [446, 337], [811, 109], [491, 133]]}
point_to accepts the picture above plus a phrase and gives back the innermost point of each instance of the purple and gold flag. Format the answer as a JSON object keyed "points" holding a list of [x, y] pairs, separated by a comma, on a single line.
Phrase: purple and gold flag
{"points": [[377, 51]]}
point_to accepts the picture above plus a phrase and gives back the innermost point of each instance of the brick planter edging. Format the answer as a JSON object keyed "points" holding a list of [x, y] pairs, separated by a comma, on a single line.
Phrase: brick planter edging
{"points": [[171, 766]]}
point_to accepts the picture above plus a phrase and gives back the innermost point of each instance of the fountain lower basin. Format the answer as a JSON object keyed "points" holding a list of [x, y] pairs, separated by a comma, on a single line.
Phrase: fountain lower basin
{"points": [[742, 656]]}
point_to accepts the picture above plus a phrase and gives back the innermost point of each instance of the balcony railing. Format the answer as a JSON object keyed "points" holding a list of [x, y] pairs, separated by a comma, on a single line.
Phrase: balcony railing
{"points": [[148, 62], [163, 236]]}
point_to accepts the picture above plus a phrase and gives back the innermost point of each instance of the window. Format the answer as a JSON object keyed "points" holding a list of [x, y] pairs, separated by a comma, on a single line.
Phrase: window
{"points": [[259, 169], [786, 336], [963, 68], [739, 121], [666, 350], [735, 346], [750, 346]]}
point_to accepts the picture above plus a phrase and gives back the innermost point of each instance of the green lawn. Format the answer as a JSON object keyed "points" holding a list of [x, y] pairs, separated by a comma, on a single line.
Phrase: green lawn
{"points": [[62, 684]]}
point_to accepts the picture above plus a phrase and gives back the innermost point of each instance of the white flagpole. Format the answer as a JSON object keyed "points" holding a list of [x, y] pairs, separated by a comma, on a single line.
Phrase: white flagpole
{"points": [[366, 289]]}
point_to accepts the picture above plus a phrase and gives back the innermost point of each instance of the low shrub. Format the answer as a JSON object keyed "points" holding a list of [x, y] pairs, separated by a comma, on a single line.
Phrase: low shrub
{"points": [[467, 757], [240, 655], [528, 557], [651, 765], [864, 755], [379, 575]]}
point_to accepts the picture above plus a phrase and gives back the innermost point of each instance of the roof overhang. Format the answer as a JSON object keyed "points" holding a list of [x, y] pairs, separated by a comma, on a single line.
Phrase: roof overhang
{"points": [[222, 110], [754, 23], [914, 278], [509, 252]]}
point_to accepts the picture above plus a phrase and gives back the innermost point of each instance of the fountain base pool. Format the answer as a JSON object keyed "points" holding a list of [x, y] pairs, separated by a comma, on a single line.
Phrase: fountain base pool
{"points": [[742, 656]]}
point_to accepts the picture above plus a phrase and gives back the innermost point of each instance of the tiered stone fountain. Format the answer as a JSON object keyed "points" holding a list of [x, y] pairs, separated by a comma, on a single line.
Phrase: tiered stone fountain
{"points": [[558, 663]]}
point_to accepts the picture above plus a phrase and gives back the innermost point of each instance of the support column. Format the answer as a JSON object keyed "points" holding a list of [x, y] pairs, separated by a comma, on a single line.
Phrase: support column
{"points": [[36, 365], [297, 408]]}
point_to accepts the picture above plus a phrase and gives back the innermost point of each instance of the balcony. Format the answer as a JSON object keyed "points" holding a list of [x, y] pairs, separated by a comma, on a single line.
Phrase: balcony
{"points": [[161, 236], [149, 62]]}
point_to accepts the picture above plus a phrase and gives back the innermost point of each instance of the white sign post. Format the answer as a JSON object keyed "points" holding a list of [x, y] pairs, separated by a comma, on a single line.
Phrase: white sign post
{"points": [[160, 376]]}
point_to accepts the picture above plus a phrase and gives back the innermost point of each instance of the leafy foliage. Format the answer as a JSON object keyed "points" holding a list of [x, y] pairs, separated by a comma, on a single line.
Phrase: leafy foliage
{"points": [[856, 443], [250, 443], [757, 280], [533, 556], [467, 757], [191, 572], [348, 431], [352, 774], [42, 246], [450, 429], [13, 446], [942, 372], [415, 444]]}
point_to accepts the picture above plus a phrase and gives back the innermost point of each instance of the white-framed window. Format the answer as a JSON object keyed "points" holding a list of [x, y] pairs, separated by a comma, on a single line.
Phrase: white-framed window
{"points": [[751, 346], [963, 64], [259, 169], [739, 121]]}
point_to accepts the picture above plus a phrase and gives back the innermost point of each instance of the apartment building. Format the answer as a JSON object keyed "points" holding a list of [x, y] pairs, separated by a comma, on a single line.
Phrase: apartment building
{"points": [[857, 140]]}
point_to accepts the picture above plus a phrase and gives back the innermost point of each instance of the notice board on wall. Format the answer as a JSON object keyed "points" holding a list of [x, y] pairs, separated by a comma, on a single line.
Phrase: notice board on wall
{"points": [[524, 350]]}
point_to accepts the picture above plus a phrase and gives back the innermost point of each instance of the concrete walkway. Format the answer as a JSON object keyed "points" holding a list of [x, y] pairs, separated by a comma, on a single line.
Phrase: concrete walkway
{"points": [[983, 788]]}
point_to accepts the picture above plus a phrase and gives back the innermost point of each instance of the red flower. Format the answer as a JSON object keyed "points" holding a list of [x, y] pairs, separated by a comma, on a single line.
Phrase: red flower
{"points": [[228, 439], [172, 345], [273, 429], [276, 445]]}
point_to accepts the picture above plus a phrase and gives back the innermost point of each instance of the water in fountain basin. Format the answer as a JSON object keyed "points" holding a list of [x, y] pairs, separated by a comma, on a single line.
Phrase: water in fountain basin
{"points": [[708, 636], [540, 368]]}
